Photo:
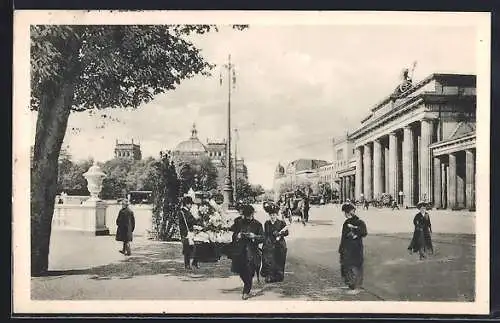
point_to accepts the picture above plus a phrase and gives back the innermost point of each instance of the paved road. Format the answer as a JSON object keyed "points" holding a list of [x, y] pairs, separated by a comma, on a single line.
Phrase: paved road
{"points": [[91, 268]]}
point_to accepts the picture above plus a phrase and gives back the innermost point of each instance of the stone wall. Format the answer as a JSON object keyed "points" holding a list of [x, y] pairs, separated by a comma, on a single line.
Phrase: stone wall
{"points": [[81, 218]]}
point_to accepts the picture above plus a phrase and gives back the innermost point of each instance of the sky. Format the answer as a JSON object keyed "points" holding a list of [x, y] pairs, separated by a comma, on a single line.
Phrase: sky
{"points": [[297, 87]]}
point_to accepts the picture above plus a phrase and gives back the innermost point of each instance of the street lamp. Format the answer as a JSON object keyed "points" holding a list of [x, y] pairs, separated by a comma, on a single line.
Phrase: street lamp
{"points": [[228, 187]]}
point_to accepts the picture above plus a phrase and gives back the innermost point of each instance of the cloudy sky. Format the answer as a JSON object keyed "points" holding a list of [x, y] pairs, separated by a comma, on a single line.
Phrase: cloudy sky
{"points": [[297, 87]]}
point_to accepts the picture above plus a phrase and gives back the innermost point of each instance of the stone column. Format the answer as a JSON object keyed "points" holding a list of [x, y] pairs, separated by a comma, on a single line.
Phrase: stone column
{"points": [[347, 187], [408, 151], [367, 163], [470, 176], [377, 169], [437, 183], [452, 179], [425, 141], [444, 181], [393, 167], [353, 186], [342, 189], [386, 169], [359, 173]]}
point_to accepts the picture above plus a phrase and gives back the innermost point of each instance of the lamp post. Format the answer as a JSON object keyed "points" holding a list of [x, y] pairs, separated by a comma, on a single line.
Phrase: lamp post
{"points": [[235, 195], [228, 185]]}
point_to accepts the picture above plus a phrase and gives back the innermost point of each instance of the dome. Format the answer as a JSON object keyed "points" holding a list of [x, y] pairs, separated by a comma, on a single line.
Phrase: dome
{"points": [[190, 146], [193, 144]]}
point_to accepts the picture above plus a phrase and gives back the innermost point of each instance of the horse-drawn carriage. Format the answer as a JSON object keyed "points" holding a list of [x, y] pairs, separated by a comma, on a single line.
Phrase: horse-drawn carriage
{"points": [[292, 206]]}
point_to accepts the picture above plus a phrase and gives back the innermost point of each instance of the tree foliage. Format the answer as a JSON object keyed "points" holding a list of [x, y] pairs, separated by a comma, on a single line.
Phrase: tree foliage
{"points": [[114, 65], [90, 67], [199, 174]]}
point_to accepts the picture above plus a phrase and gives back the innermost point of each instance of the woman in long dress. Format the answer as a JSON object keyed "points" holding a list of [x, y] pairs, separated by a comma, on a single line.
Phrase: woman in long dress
{"points": [[421, 241], [274, 249], [351, 248]]}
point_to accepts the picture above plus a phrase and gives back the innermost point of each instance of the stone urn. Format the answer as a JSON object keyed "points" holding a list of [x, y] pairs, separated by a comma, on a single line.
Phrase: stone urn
{"points": [[94, 177]]}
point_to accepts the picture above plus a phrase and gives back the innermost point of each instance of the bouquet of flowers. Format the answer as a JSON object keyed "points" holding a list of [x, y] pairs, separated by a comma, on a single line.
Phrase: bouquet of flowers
{"points": [[214, 224]]}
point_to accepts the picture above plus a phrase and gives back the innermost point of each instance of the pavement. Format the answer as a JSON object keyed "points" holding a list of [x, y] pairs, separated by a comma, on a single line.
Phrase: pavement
{"points": [[91, 268]]}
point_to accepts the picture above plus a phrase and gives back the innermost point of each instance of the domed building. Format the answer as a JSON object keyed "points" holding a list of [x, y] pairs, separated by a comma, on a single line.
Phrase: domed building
{"points": [[189, 149], [193, 148]]}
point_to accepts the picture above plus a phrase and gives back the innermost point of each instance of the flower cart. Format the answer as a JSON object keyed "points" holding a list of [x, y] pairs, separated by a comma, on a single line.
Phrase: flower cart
{"points": [[211, 236]]}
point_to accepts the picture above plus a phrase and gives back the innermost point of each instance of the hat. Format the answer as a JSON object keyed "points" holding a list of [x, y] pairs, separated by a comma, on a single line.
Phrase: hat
{"points": [[247, 210], [421, 204], [270, 207], [347, 207], [187, 200]]}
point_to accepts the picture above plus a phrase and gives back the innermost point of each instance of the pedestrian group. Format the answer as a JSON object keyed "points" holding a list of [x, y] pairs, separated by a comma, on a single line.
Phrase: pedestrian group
{"points": [[249, 260]]}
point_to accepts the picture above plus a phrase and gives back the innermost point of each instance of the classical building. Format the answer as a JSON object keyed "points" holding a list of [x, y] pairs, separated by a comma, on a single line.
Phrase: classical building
{"points": [[418, 144], [193, 148], [128, 150], [300, 172]]}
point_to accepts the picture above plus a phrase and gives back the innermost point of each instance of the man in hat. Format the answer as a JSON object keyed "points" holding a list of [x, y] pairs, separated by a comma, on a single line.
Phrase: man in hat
{"points": [[186, 224], [351, 248], [247, 235], [125, 225]]}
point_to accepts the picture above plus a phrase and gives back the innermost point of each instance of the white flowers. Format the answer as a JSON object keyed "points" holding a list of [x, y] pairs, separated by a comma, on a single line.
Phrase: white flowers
{"points": [[213, 236]]}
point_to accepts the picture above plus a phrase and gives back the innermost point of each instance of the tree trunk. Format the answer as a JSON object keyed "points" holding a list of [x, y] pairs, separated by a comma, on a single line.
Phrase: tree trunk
{"points": [[53, 114]]}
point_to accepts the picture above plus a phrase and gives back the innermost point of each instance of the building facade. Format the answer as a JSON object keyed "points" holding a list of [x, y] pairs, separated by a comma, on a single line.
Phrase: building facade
{"points": [[193, 148], [128, 150], [298, 173], [418, 144]]}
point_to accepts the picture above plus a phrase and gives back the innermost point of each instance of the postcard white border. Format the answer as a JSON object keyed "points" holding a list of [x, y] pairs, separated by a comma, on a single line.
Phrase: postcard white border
{"points": [[22, 139]]}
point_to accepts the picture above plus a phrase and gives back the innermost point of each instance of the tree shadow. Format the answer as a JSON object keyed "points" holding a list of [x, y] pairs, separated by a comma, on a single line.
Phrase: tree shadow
{"points": [[152, 259]]}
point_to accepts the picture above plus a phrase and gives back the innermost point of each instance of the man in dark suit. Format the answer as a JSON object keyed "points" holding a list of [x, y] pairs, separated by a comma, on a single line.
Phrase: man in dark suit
{"points": [[247, 235], [125, 223], [186, 224]]}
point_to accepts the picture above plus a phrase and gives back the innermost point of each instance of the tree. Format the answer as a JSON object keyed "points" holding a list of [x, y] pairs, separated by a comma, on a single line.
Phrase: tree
{"points": [[244, 190], [199, 174], [257, 190], [166, 191], [70, 176], [82, 67]]}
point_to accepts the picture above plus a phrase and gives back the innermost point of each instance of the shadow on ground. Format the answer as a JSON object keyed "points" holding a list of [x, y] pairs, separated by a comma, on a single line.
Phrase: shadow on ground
{"points": [[312, 271], [152, 259]]}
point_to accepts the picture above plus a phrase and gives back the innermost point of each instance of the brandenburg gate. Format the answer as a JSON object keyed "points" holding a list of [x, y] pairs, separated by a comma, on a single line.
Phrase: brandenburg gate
{"points": [[420, 141]]}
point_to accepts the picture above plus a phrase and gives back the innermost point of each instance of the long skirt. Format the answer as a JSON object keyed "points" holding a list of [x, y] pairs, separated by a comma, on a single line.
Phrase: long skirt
{"points": [[352, 275], [273, 262], [417, 243]]}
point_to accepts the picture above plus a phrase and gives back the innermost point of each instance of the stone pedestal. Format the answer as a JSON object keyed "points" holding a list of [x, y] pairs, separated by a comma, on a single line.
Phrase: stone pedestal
{"points": [[95, 212]]}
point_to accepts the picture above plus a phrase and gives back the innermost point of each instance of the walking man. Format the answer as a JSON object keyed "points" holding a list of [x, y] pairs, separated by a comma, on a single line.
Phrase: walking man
{"points": [[125, 223]]}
